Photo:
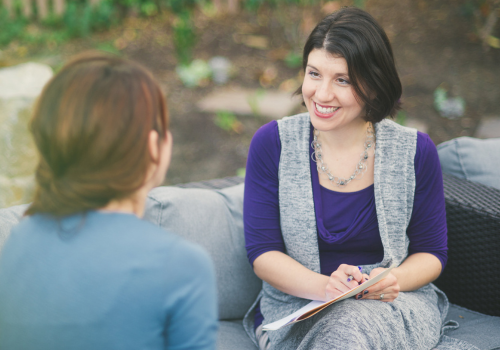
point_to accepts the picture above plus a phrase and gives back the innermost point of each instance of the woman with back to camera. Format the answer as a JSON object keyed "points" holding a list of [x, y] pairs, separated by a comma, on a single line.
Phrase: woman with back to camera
{"points": [[82, 271], [336, 195]]}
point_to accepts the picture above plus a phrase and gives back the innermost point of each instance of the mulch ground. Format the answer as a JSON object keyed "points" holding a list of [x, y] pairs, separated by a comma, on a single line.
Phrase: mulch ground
{"points": [[435, 44]]}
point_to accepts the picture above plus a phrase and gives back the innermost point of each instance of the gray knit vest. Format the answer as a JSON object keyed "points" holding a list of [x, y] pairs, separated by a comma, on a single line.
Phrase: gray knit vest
{"points": [[394, 186]]}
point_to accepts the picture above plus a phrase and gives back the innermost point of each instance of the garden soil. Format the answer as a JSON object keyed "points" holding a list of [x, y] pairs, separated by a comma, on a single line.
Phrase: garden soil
{"points": [[435, 44]]}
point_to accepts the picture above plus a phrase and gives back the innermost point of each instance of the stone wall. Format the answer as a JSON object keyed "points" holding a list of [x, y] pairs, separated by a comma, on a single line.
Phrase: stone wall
{"points": [[19, 87]]}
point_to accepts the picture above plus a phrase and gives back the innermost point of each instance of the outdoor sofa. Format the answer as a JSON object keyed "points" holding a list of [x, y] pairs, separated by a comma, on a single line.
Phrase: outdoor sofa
{"points": [[210, 214]]}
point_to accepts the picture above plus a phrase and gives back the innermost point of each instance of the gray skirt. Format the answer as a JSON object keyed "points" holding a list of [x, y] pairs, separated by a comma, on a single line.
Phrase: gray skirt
{"points": [[413, 321]]}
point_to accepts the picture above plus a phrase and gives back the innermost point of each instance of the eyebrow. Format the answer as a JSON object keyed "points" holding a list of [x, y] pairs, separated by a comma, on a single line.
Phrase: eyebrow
{"points": [[337, 75]]}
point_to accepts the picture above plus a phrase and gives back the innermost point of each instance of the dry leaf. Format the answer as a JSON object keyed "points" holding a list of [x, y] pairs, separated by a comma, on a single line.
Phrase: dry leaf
{"points": [[330, 7], [493, 41], [256, 41], [268, 76], [237, 127], [120, 43], [289, 85], [278, 54], [308, 23]]}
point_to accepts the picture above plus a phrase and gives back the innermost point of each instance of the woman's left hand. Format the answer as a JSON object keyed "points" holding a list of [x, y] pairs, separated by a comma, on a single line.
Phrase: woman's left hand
{"points": [[385, 290]]}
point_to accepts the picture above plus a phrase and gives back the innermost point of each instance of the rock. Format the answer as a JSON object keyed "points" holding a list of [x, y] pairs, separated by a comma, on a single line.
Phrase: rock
{"points": [[489, 127], [25, 80], [193, 74], [19, 87], [220, 69], [273, 104], [451, 108]]}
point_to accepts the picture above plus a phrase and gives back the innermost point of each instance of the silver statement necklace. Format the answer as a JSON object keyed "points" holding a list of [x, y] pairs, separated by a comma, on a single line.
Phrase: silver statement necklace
{"points": [[361, 167]]}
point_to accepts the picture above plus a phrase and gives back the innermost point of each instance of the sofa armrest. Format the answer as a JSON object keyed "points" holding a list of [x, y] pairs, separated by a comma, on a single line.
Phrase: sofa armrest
{"points": [[471, 277]]}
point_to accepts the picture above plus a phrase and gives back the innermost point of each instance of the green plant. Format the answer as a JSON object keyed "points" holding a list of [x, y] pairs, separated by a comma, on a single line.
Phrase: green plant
{"points": [[254, 5], [401, 118], [108, 47], [241, 172], [149, 8], [293, 60], [10, 28], [104, 15], [227, 121], [254, 99], [184, 37], [360, 3], [77, 19], [194, 73], [178, 6]]}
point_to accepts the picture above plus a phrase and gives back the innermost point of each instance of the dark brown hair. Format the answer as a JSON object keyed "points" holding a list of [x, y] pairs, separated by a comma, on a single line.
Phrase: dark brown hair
{"points": [[354, 34], [91, 126]]}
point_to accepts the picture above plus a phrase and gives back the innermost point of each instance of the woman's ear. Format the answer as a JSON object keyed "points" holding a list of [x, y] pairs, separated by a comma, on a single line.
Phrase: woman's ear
{"points": [[161, 154], [166, 149], [154, 146]]}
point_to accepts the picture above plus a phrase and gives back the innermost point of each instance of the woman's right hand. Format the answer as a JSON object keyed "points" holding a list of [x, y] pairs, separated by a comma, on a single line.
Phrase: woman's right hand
{"points": [[345, 278]]}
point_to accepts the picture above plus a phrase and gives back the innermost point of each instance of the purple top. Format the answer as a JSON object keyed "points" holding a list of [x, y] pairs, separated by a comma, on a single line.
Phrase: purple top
{"points": [[347, 231]]}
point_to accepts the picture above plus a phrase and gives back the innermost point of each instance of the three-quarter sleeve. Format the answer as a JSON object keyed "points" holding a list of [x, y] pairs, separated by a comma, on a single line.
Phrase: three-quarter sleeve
{"points": [[427, 230], [261, 202]]}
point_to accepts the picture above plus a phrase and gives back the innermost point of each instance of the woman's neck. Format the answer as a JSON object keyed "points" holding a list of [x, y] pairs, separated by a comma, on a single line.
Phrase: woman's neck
{"points": [[133, 204], [345, 138]]}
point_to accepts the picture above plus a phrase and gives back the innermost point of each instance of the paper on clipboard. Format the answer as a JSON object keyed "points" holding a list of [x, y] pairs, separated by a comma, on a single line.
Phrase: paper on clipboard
{"points": [[316, 306]]}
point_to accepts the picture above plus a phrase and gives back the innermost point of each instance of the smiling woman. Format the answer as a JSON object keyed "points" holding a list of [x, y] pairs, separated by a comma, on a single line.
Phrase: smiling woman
{"points": [[374, 198], [364, 46], [328, 93]]}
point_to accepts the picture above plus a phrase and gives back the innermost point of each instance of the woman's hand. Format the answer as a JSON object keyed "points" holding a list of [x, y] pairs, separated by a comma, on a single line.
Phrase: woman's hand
{"points": [[345, 278], [385, 290]]}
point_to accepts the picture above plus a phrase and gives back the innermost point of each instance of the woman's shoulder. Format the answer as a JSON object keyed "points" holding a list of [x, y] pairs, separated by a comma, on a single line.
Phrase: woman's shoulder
{"points": [[269, 133], [266, 143], [294, 123], [425, 146], [149, 236], [134, 239], [390, 127], [426, 156], [125, 231], [266, 131]]}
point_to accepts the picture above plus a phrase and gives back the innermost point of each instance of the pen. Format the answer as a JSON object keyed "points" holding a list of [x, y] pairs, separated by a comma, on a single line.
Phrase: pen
{"points": [[350, 277]]}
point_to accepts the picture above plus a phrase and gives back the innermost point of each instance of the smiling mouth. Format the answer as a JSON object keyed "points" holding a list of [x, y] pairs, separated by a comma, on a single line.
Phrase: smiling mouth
{"points": [[325, 110]]}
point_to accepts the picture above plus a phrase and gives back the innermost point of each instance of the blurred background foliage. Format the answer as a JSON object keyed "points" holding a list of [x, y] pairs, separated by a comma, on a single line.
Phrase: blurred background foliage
{"points": [[81, 18], [447, 53]]}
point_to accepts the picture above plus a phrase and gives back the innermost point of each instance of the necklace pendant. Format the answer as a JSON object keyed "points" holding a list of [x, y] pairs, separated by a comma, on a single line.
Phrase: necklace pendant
{"points": [[360, 168]]}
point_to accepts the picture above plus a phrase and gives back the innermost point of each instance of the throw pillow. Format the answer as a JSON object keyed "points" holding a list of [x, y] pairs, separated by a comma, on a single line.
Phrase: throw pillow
{"points": [[214, 220], [472, 159]]}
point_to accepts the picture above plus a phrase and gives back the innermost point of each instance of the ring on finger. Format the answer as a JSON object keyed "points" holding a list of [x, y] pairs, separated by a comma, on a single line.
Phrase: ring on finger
{"points": [[382, 296]]}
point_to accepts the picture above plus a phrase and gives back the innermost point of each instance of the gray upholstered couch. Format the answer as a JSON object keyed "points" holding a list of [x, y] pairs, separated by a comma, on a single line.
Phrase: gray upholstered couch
{"points": [[213, 218]]}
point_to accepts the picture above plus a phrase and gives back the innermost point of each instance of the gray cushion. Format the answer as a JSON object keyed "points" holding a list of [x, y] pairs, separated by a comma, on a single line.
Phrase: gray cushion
{"points": [[475, 328], [9, 217], [232, 336], [472, 159], [213, 219]]}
